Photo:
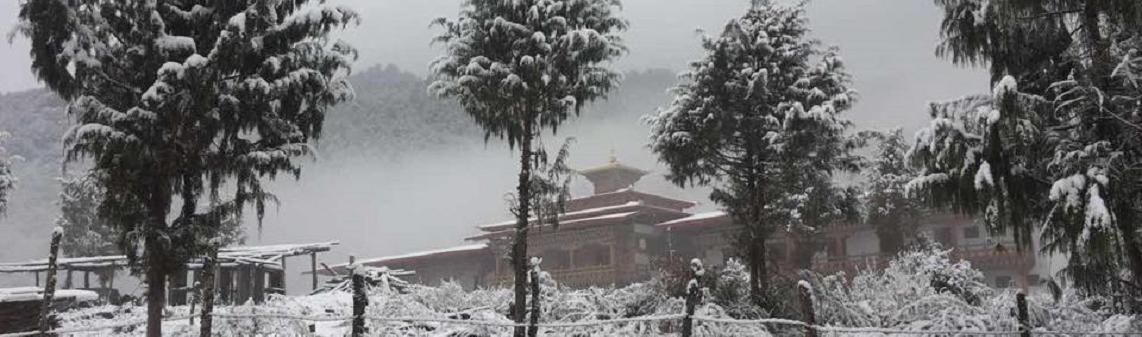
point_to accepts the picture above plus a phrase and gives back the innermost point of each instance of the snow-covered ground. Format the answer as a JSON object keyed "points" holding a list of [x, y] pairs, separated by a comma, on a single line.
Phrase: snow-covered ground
{"points": [[920, 291]]}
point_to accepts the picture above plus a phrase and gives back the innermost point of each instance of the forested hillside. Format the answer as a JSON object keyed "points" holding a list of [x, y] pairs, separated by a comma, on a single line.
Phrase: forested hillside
{"points": [[391, 117]]}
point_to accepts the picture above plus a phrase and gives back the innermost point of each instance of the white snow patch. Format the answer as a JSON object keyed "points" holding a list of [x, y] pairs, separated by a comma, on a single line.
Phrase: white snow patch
{"points": [[983, 178]]}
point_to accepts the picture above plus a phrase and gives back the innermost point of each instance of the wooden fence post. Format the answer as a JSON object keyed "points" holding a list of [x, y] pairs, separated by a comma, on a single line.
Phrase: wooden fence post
{"points": [[809, 316], [533, 322], [360, 299], [693, 297], [50, 284], [1024, 318]]}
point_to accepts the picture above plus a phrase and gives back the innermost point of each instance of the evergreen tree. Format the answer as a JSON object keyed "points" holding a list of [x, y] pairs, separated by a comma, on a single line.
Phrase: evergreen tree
{"points": [[759, 121], [7, 180], [180, 101], [88, 235], [891, 212], [520, 67], [1059, 143]]}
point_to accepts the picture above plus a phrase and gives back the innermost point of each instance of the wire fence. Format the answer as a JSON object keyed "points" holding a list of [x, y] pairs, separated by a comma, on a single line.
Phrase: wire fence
{"points": [[769, 323], [685, 324]]}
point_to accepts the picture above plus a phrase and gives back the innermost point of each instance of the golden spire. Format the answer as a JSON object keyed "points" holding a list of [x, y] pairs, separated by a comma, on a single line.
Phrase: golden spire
{"points": [[614, 158]]}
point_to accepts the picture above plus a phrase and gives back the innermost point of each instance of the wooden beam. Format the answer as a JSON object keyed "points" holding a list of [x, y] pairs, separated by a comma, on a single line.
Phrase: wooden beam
{"points": [[312, 268], [283, 276], [86, 279], [259, 280], [37, 278]]}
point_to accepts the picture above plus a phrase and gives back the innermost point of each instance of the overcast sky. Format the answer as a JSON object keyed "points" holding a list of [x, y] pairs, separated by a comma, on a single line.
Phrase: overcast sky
{"points": [[887, 44]]}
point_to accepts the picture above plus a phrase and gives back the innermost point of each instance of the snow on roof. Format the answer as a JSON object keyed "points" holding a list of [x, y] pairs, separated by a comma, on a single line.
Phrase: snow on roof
{"points": [[693, 218], [568, 214], [493, 233], [268, 254], [21, 294], [422, 254]]}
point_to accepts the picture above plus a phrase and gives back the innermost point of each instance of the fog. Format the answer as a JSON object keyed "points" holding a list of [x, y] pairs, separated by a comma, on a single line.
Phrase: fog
{"points": [[435, 198]]}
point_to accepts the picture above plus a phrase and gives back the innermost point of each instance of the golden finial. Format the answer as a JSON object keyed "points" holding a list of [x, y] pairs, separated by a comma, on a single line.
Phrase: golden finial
{"points": [[614, 158]]}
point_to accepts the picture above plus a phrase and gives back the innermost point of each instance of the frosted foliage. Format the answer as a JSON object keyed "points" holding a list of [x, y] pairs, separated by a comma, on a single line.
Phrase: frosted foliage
{"points": [[758, 117], [235, 94], [927, 290], [919, 290], [506, 60]]}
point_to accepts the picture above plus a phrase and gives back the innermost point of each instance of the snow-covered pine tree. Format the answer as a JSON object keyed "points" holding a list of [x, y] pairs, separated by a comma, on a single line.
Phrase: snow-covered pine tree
{"points": [[89, 235], [7, 180], [887, 207], [520, 67], [178, 101], [764, 101], [1059, 143]]}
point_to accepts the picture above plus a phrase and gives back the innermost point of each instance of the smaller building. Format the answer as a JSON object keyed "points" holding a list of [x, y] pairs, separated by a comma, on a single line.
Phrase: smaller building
{"points": [[244, 272]]}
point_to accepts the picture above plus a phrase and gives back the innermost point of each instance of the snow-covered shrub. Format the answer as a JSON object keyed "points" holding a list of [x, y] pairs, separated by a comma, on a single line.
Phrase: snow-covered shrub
{"points": [[922, 288], [730, 291]]}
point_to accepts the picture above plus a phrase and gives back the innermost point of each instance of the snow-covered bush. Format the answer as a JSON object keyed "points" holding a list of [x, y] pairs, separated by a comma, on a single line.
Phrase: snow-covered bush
{"points": [[922, 289]]}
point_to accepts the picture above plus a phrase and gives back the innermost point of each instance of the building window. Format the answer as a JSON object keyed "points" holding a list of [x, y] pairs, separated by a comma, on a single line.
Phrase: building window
{"points": [[593, 255], [971, 232], [556, 259], [1003, 282]]}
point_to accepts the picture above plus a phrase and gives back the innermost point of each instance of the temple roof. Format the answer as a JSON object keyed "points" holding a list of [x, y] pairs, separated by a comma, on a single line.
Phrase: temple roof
{"points": [[612, 165], [625, 195], [699, 220], [612, 176], [587, 215], [388, 261]]}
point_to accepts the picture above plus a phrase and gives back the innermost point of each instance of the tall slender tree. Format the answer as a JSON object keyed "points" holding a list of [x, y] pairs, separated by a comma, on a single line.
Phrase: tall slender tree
{"points": [[758, 119], [176, 101], [7, 179], [890, 211], [521, 67], [1059, 143]]}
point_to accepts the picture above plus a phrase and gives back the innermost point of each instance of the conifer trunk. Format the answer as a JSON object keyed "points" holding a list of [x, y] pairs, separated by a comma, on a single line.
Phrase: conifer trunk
{"points": [[209, 265], [519, 246], [1098, 49], [156, 292], [1126, 219], [153, 250]]}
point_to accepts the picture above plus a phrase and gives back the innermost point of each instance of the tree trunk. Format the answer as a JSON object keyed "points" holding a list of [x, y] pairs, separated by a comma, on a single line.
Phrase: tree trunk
{"points": [[759, 273], [156, 291], [763, 265], [519, 246], [50, 285], [1099, 50], [209, 265], [1126, 226], [158, 208], [754, 274]]}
